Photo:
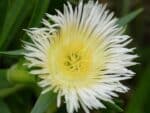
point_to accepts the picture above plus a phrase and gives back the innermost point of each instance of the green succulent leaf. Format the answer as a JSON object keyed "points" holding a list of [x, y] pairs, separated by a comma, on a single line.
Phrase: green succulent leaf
{"points": [[141, 94], [19, 74], [45, 101], [129, 17], [14, 17], [3, 107], [113, 107], [3, 12], [40, 9], [15, 52], [4, 83]]}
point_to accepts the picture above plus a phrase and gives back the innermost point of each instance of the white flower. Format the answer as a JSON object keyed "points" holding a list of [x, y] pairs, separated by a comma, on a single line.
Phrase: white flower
{"points": [[81, 56]]}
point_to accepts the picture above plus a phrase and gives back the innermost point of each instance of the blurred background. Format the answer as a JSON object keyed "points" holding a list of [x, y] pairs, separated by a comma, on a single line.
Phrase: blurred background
{"points": [[19, 97]]}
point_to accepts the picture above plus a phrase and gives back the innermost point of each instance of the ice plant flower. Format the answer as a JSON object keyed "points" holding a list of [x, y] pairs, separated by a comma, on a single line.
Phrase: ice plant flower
{"points": [[81, 55]]}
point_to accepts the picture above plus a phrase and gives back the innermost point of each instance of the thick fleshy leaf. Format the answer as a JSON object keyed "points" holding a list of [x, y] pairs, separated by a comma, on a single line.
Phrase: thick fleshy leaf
{"points": [[140, 98], [3, 107], [45, 101], [38, 13], [113, 106], [10, 90], [3, 11], [3, 79], [15, 52], [15, 16], [129, 17], [19, 74]]}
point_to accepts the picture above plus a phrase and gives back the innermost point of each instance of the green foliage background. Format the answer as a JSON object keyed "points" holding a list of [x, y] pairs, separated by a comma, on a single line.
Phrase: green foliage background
{"points": [[18, 90]]}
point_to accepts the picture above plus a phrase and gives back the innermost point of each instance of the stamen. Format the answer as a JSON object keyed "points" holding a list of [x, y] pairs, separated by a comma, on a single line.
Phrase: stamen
{"points": [[73, 62]]}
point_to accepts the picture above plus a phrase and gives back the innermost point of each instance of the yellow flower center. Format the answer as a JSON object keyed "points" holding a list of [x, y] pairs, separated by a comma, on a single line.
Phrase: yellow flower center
{"points": [[74, 59], [73, 62]]}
